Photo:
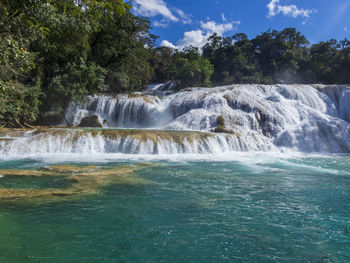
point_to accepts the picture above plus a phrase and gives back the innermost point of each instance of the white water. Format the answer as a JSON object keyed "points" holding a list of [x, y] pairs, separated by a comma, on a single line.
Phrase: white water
{"points": [[85, 142], [299, 118]]}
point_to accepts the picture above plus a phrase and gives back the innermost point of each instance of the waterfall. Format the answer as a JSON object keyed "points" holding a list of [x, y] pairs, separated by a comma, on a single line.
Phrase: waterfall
{"points": [[303, 118], [80, 141], [129, 111]]}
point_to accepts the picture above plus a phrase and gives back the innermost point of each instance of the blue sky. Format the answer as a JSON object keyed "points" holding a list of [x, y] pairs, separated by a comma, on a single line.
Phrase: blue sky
{"points": [[179, 23]]}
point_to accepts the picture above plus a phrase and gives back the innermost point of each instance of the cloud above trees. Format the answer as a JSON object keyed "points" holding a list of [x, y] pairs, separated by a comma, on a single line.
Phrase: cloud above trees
{"points": [[198, 38], [276, 8], [154, 8]]}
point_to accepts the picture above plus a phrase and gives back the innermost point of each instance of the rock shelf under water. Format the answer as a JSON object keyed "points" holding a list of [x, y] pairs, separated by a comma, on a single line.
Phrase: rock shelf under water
{"points": [[84, 180]]}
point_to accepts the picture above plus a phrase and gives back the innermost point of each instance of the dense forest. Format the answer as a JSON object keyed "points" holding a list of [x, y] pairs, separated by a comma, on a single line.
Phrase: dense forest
{"points": [[54, 51]]}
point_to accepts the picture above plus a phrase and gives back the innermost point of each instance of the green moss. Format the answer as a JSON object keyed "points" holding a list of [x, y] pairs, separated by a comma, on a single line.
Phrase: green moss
{"points": [[144, 97], [220, 124], [221, 121]]}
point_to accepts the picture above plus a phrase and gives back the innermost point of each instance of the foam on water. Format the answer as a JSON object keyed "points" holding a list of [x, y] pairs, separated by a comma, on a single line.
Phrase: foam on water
{"points": [[80, 141], [253, 160], [300, 118], [307, 118]]}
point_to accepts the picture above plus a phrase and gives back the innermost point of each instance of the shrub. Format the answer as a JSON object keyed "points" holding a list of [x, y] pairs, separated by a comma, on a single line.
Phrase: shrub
{"points": [[18, 103], [220, 124]]}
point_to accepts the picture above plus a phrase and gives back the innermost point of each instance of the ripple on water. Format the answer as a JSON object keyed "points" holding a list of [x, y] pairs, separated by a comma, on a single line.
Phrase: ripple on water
{"points": [[282, 210]]}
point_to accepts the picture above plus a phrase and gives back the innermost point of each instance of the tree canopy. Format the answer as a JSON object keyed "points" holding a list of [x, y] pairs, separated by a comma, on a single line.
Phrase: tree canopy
{"points": [[54, 51]]}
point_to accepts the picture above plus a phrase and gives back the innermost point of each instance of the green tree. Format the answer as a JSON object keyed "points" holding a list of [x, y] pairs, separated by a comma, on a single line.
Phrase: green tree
{"points": [[233, 59], [124, 47], [20, 25], [329, 62], [190, 69], [162, 60], [281, 53]]}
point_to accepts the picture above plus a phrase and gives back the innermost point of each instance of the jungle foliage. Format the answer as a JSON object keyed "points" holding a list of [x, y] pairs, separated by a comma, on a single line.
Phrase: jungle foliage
{"points": [[277, 57], [54, 51]]}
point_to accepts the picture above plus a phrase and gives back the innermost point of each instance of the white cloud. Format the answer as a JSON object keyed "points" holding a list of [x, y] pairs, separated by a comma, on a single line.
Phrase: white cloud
{"points": [[153, 8], [198, 38], [223, 17], [185, 19], [288, 10], [220, 29], [161, 23], [346, 29], [166, 43]]}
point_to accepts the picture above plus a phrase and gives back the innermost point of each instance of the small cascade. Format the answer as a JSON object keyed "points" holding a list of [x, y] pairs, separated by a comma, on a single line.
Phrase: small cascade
{"points": [[80, 141], [127, 111], [340, 96]]}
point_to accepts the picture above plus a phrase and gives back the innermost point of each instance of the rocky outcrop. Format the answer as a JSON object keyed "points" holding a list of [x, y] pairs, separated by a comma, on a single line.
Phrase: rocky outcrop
{"points": [[91, 121]]}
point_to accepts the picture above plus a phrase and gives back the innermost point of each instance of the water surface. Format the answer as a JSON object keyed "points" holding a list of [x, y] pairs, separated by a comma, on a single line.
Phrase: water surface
{"points": [[249, 209]]}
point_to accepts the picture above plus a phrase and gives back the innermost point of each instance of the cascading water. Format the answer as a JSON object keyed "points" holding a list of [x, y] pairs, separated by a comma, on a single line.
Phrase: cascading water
{"points": [[129, 111], [123, 141], [306, 118]]}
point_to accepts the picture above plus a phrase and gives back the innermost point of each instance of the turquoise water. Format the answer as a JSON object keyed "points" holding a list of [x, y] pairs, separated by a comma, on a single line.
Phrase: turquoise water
{"points": [[253, 209], [20, 182]]}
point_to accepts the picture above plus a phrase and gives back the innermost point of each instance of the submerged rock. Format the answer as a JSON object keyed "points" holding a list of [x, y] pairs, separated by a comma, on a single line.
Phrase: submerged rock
{"points": [[90, 121], [86, 180]]}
